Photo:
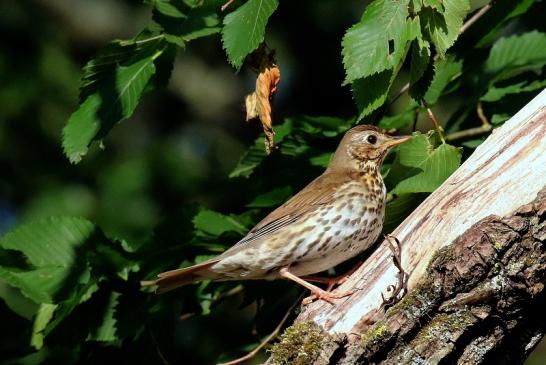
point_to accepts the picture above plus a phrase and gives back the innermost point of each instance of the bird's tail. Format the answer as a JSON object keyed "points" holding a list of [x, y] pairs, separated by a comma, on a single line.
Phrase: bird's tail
{"points": [[173, 279]]}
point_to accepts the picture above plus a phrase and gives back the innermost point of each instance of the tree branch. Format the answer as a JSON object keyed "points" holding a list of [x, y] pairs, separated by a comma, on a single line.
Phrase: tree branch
{"points": [[483, 233]]}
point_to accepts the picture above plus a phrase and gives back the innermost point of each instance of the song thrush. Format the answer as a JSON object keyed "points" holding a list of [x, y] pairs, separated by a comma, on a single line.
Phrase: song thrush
{"points": [[334, 218]]}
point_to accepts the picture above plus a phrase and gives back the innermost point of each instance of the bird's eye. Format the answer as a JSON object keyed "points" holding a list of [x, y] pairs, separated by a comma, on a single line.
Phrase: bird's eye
{"points": [[371, 139]]}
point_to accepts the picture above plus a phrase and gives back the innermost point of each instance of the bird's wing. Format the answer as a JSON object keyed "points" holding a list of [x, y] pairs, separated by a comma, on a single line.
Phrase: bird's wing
{"points": [[319, 192]]}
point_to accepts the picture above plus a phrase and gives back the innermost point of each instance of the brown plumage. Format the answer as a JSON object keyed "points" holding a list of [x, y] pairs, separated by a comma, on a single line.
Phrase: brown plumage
{"points": [[334, 218]]}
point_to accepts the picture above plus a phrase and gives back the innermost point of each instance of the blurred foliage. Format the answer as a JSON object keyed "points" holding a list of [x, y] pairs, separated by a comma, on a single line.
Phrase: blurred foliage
{"points": [[184, 177]]}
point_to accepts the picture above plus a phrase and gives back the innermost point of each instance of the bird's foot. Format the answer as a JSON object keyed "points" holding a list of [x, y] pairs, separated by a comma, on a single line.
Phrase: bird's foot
{"points": [[327, 296], [333, 281], [396, 292], [317, 293]]}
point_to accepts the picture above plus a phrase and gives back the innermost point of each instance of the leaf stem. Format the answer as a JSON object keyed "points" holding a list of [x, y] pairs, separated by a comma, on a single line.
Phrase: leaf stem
{"points": [[437, 125]]}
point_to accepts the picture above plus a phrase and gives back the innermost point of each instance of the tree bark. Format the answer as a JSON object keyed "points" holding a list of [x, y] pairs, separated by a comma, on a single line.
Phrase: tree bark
{"points": [[476, 258]]}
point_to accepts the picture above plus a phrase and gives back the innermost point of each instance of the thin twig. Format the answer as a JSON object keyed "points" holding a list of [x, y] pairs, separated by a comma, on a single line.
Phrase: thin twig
{"points": [[437, 126], [473, 19], [481, 115], [484, 128], [158, 350], [266, 340], [225, 6]]}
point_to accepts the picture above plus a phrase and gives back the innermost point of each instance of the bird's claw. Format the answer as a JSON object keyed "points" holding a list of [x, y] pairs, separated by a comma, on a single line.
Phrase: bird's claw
{"points": [[401, 287]]}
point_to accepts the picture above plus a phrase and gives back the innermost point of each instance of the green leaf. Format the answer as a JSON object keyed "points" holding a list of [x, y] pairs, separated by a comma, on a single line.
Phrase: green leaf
{"points": [[182, 23], [399, 208], [473, 143], [499, 118], [215, 224], [272, 198], [244, 29], [445, 72], [443, 28], [44, 315], [434, 4], [322, 160], [169, 8], [420, 58], [497, 93], [400, 120], [51, 246], [371, 92], [116, 53], [513, 55], [379, 41], [254, 156], [106, 330], [115, 100], [434, 165]]}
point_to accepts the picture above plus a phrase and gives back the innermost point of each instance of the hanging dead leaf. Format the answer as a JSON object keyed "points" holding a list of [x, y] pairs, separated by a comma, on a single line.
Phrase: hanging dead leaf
{"points": [[258, 103]]}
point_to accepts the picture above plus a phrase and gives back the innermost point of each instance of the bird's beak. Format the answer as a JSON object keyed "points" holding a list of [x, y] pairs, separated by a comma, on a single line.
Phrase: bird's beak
{"points": [[396, 140]]}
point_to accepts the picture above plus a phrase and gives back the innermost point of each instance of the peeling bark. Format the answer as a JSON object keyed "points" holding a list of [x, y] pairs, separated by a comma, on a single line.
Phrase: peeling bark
{"points": [[476, 254]]}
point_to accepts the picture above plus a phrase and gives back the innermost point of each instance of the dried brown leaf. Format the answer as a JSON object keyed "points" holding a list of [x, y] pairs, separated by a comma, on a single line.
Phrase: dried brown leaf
{"points": [[258, 103]]}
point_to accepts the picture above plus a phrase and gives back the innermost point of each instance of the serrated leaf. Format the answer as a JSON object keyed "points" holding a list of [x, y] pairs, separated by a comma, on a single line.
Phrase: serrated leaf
{"points": [[255, 154], [434, 4], [379, 41], [182, 23], [215, 224], [115, 100], [445, 71], [50, 246], [513, 55], [371, 92], [429, 166], [421, 69], [105, 330], [114, 54], [497, 93], [443, 27], [420, 58], [244, 29]]}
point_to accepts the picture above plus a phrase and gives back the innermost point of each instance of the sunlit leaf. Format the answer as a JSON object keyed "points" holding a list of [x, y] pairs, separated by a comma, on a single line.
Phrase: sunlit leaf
{"points": [[215, 224], [443, 27], [244, 29], [513, 55], [51, 247], [428, 166], [114, 101], [379, 41]]}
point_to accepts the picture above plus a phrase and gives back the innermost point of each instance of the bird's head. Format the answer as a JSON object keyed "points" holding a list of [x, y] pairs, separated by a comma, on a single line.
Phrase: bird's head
{"points": [[364, 145]]}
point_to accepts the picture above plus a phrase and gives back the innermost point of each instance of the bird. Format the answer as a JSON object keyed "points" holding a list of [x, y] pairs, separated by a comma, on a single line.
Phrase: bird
{"points": [[336, 217]]}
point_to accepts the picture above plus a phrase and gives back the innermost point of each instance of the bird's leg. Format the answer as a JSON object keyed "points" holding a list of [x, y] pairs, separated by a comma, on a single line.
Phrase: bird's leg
{"points": [[317, 293], [402, 284], [336, 280]]}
